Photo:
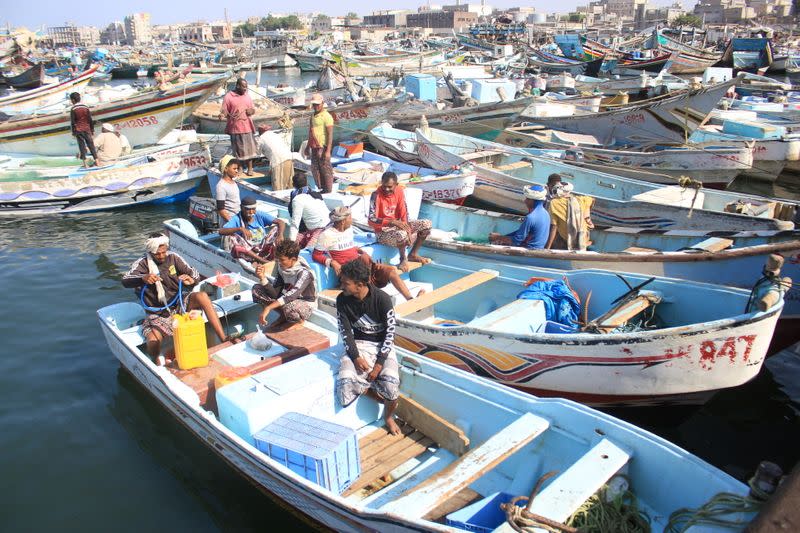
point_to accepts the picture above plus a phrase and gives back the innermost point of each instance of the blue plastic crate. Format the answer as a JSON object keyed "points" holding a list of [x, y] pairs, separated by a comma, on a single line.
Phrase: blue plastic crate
{"points": [[422, 86], [484, 515], [318, 450]]}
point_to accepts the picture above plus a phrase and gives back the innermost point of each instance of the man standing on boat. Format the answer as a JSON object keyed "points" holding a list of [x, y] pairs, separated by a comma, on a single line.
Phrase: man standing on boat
{"points": [[535, 228], [254, 234], [320, 142], [226, 193], [237, 108], [336, 247], [570, 219], [281, 165], [162, 280], [367, 324], [388, 217], [82, 125]]}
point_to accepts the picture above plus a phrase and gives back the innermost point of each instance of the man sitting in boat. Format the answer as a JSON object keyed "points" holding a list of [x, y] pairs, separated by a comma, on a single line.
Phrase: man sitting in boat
{"points": [[308, 213], [110, 145], [226, 192], [293, 293], [570, 219], [388, 216], [253, 233], [160, 278], [535, 228], [367, 324], [336, 247], [281, 165]]}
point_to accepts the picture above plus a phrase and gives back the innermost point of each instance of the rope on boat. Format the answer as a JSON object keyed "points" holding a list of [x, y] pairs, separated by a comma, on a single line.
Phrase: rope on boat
{"points": [[599, 514]]}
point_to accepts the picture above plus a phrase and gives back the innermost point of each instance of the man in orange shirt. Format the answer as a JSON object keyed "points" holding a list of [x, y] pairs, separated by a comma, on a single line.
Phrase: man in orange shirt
{"points": [[388, 216]]}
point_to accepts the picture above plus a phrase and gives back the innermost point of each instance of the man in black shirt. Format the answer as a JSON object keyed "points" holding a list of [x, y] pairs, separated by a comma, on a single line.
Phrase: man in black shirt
{"points": [[367, 324]]}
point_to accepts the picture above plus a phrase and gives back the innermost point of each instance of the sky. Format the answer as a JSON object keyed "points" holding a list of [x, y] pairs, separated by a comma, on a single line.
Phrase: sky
{"points": [[37, 13]]}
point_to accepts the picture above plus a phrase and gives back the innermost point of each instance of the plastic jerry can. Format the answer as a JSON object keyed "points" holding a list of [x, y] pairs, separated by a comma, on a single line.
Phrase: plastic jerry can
{"points": [[191, 350]]}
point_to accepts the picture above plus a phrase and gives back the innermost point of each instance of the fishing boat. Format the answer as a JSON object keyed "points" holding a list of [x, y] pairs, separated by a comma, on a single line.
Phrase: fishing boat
{"points": [[463, 439], [38, 100], [503, 171], [588, 68], [400, 145], [143, 119], [473, 318], [712, 165], [161, 177], [309, 62], [31, 78], [670, 118]]}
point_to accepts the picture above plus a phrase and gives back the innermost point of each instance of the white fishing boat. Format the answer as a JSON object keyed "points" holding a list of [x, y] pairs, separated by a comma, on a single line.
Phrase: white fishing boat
{"points": [[40, 99], [143, 119], [463, 439], [156, 178]]}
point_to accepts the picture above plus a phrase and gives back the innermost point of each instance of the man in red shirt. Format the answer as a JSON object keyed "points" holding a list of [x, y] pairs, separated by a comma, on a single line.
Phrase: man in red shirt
{"points": [[80, 119], [388, 216], [237, 108]]}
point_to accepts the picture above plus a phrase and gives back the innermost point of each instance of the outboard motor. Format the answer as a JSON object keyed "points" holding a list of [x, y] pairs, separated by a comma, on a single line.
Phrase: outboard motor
{"points": [[573, 154], [203, 214]]}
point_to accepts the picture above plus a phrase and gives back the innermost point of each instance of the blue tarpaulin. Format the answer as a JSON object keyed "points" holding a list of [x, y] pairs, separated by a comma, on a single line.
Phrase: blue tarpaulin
{"points": [[560, 304]]}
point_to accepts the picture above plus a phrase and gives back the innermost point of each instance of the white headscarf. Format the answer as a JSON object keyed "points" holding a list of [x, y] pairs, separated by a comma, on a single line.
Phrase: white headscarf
{"points": [[534, 192], [152, 245], [562, 189]]}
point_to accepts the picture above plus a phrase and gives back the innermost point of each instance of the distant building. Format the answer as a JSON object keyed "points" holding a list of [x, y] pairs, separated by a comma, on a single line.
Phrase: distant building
{"points": [[482, 10], [114, 34], [221, 31], [625, 8], [724, 11], [71, 35], [387, 19], [199, 32], [137, 29], [443, 21]]}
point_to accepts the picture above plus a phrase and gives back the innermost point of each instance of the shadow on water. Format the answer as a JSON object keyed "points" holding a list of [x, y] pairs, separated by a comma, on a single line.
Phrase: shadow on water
{"points": [[232, 502]]}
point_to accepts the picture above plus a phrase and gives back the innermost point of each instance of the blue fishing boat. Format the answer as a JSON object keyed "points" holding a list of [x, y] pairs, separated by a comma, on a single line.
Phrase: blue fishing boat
{"points": [[463, 439], [503, 171]]}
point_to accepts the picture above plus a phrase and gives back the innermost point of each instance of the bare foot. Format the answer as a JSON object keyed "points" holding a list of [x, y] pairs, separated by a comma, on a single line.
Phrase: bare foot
{"points": [[276, 325], [392, 426], [419, 259], [403, 266], [420, 292]]}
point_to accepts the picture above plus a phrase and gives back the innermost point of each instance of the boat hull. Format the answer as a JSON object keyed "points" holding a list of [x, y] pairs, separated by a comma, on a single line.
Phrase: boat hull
{"points": [[44, 96]]}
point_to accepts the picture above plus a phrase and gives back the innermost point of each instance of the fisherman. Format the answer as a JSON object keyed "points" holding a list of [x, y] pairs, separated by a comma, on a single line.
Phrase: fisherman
{"points": [[281, 165], [159, 277], [309, 215], [553, 180], [110, 145], [367, 324], [570, 219], [388, 216], [320, 142], [82, 125], [336, 247], [293, 293], [226, 192], [535, 228], [237, 108], [254, 234]]}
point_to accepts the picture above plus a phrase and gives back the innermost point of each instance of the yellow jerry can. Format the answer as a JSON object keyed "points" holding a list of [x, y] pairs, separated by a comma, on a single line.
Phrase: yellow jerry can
{"points": [[191, 350]]}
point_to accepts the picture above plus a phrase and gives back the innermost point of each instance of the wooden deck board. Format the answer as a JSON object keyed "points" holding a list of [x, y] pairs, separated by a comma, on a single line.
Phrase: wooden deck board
{"points": [[458, 501], [445, 434], [442, 293]]}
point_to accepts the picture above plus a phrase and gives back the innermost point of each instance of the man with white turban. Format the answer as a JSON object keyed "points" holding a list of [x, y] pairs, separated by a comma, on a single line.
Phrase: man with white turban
{"points": [[570, 219], [109, 145], [163, 279], [534, 230]]}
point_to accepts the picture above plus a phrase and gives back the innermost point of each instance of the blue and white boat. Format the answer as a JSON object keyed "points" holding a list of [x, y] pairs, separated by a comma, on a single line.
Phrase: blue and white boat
{"points": [[463, 438], [503, 171]]}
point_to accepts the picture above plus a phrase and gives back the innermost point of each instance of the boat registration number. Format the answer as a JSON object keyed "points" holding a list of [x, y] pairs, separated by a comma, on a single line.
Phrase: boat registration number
{"points": [[140, 122], [350, 114]]}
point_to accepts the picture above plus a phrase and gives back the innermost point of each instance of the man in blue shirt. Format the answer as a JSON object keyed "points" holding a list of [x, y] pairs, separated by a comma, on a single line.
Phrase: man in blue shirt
{"points": [[533, 232], [254, 234]]}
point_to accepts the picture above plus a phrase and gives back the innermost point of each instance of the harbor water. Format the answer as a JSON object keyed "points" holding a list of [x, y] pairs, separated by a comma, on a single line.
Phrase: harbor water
{"points": [[85, 447]]}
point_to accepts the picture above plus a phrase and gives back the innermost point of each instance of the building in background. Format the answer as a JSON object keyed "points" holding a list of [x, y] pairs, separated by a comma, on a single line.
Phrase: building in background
{"points": [[395, 18], [137, 29], [443, 21], [71, 35], [113, 34]]}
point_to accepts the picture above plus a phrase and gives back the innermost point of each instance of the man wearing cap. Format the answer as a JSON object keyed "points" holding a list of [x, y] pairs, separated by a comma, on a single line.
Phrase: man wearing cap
{"points": [[281, 166], [535, 228], [109, 145], [320, 142], [335, 247], [570, 219], [237, 108], [226, 192], [254, 234]]}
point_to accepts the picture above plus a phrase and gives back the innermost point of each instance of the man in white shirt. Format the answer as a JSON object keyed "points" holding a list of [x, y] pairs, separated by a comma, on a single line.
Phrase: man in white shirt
{"points": [[109, 145], [308, 212], [273, 147]]}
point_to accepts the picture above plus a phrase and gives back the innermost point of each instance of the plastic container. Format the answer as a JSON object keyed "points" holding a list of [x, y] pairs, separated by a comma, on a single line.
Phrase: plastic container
{"points": [[318, 450], [422, 86], [484, 515], [352, 149], [191, 350]]}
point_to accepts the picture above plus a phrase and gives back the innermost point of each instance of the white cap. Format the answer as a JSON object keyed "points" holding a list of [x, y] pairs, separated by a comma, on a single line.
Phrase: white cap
{"points": [[108, 127]]}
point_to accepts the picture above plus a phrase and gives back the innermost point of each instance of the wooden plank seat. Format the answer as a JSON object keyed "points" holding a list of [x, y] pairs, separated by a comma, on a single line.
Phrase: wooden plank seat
{"points": [[712, 244], [626, 310], [298, 342], [428, 495], [513, 166], [481, 154], [639, 250], [444, 292]]}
